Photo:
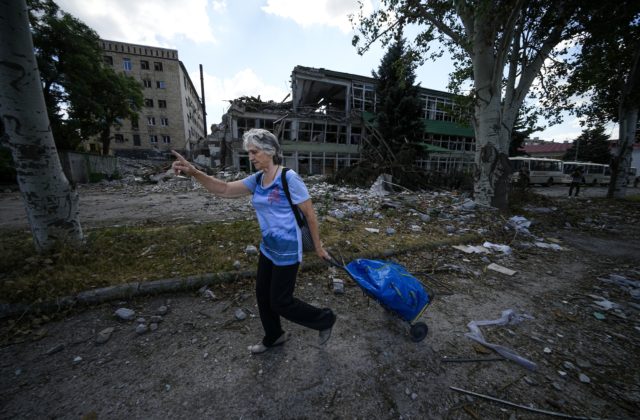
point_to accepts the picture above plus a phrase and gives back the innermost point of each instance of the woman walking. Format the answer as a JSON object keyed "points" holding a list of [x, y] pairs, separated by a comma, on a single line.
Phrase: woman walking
{"points": [[281, 246]]}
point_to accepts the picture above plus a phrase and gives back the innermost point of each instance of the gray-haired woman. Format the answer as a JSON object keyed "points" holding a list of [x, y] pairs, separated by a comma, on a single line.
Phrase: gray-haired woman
{"points": [[281, 246]]}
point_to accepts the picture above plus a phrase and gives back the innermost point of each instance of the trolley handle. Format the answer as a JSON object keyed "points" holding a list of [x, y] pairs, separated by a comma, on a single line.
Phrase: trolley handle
{"points": [[334, 261]]}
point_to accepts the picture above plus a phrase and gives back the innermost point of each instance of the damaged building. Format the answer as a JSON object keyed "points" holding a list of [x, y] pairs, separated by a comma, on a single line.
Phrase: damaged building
{"points": [[328, 119]]}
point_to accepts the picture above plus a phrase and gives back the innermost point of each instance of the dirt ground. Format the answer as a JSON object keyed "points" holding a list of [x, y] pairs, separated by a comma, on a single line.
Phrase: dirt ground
{"points": [[196, 364]]}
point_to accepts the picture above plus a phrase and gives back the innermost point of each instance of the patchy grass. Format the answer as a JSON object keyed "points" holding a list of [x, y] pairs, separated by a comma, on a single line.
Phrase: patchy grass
{"points": [[119, 255], [633, 198]]}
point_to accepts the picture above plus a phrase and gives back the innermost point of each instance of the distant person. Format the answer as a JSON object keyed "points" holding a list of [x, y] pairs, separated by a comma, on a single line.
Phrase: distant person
{"points": [[523, 178], [281, 246], [576, 180]]}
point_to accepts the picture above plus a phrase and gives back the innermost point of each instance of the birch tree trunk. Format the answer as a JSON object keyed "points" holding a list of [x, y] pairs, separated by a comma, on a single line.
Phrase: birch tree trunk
{"points": [[51, 204], [622, 160], [491, 186]]}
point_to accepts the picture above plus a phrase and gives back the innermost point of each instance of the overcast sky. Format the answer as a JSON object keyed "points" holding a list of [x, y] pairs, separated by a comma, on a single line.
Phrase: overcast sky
{"points": [[250, 47]]}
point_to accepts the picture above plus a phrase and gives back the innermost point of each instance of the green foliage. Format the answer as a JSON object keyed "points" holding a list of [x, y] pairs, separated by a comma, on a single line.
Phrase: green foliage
{"points": [[524, 126], [399, 110], [591, 146], [607, 67], [96, 177], [82, 95]]}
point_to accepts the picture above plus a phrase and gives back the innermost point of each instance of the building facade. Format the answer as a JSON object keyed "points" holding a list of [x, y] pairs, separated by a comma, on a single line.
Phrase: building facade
{"points": [[329, 118], [172, 114]]}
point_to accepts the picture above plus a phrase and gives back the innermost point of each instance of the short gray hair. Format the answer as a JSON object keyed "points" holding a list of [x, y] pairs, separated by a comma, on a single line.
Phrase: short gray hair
{"points": [[265, 141]]}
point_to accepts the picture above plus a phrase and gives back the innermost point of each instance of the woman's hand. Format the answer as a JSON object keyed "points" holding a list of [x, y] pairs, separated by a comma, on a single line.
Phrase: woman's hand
{"points": [[322, 253], [182, 165]]}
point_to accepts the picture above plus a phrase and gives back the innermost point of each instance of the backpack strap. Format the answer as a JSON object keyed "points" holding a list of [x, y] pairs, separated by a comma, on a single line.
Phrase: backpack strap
{"points": [[259, 178], [285, 186]]}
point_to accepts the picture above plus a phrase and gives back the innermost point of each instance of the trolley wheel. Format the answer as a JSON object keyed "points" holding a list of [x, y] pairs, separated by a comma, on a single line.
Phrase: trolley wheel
{"points": [[418, 331]]}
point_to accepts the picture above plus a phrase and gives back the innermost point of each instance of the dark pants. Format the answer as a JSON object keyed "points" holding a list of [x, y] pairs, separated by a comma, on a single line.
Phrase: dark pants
{"points": [[274, 292], [577, 187]]}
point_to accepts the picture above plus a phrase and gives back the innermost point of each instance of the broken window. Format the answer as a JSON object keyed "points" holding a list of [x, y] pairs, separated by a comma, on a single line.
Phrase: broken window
{"points": [[439, 109], [243, 162], [153, 138], [144, 65], [316, 163], [363, 97], [108, 60], [146, 83], [356, 135], [317, 135], [151, 120], [266, 124], [244, 124], [157, 66], [136, 139], [162, 103], [329, 164], [148, 103], [119, 138], [304, 131]]}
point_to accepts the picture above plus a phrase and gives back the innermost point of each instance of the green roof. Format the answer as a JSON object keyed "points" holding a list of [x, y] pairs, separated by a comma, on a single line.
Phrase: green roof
{"points": [[432, 148], [448, 128]]}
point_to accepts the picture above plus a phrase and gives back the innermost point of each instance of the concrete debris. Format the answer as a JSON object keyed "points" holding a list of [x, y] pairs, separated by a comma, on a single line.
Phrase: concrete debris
{"points": [[545, 245], [104, 335], [125, 314], [372, 230], [382, 186], [606, 304], [469, 249], [338, 286], [519, 224], [240, 314], [251, 250], [505, 249], [501, 269]]}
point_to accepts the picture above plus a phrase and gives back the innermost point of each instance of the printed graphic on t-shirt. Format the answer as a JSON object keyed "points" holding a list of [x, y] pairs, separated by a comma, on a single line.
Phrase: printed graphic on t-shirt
{"points": [[274, 195]]}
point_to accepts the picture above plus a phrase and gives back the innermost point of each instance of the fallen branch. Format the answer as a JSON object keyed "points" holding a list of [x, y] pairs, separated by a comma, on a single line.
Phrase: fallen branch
{"points": [[524, 407]]}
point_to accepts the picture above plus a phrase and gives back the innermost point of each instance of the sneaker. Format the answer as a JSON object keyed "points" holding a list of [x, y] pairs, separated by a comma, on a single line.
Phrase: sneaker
{"points": [[261, 348], [325, 335]]}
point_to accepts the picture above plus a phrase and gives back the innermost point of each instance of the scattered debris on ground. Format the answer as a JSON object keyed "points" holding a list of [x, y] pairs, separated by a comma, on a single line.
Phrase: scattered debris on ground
{"points": [[573, 282]]}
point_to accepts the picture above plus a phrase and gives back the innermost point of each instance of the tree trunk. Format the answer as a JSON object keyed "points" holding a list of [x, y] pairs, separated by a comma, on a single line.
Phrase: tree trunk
{"points": [[105, 139], [621, 162], [492, 142], [51, 204]]}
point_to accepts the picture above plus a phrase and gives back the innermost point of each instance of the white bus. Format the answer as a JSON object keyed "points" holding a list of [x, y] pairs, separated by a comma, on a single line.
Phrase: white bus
{"points": [[541, 170], [592, 173]]}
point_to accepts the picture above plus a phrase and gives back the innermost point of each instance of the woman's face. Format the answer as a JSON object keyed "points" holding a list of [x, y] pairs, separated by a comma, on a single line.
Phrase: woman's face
{"points": [[259, 159]]}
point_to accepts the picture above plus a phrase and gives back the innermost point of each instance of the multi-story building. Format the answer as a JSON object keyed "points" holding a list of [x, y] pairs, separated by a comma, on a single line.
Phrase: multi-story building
{"points": [[328, 119], [172, 114]]}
